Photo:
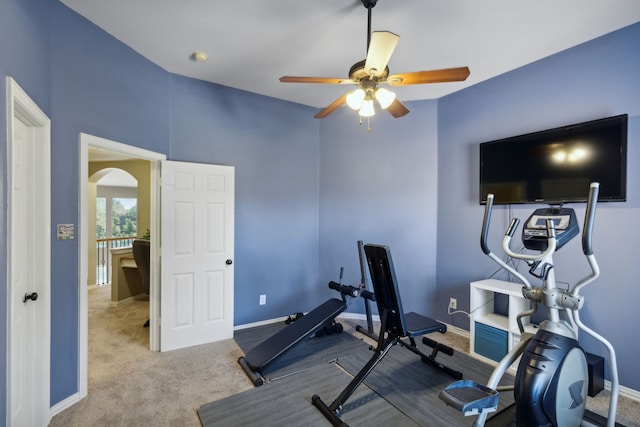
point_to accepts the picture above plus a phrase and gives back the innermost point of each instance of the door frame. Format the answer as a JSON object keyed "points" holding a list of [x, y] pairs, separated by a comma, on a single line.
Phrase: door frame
{"points": [[21, 107], [86, 141]]}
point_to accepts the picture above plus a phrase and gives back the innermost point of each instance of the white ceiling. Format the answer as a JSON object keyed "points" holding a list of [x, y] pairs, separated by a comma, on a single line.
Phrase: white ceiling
{"points": [[251, 43]]}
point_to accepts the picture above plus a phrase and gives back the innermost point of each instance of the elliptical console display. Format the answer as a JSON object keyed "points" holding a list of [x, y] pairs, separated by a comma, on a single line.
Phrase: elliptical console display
{"points": [[534, 232]]}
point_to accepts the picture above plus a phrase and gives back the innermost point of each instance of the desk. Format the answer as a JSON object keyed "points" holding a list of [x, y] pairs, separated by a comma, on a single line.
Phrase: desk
{"points": [[128, 262], [126, 282]]}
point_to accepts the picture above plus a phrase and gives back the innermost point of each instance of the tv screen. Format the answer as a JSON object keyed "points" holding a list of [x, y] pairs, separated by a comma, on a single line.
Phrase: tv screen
{"points": [[556, 166]]}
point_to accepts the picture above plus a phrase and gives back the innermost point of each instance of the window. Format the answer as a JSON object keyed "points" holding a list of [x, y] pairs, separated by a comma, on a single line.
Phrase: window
{"points": [[116, 217]]}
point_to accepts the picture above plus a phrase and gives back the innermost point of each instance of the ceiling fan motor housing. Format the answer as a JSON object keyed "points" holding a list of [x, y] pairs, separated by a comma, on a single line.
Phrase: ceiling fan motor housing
{"points": [[357, 73]]}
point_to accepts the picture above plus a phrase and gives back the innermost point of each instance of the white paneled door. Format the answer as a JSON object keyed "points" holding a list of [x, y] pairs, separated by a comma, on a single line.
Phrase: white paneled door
{"points": [[197, 248], [28, 261]]}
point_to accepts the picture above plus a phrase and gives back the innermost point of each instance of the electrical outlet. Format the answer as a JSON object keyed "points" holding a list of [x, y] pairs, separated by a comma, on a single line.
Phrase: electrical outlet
{"points": [[453, 303], [263, 299]]}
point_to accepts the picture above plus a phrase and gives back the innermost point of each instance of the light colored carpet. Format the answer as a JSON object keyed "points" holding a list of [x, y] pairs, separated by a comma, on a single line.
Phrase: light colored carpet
{"points": [[132, 386]]}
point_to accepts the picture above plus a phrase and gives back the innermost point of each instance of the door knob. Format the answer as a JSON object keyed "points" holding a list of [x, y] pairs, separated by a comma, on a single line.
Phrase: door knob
{"points": [[33, 296], [229, 262]]}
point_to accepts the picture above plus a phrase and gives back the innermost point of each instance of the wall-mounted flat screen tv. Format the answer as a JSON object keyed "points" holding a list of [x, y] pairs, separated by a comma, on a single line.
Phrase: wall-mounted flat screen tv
{"points": [[556, 166]]}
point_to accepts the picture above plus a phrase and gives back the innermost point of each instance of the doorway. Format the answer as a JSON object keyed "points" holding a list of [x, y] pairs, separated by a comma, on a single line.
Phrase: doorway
{"points": [[95, 148], [197, 234]]}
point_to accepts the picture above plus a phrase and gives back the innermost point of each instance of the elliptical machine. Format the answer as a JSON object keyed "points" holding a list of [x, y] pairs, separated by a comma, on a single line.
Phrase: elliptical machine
{"points": [[551, 382]]}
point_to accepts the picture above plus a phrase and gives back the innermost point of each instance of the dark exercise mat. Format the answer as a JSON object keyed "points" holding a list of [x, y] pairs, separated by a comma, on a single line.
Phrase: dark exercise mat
{"points": [[305, 354], [287, 402], [413, 386]]}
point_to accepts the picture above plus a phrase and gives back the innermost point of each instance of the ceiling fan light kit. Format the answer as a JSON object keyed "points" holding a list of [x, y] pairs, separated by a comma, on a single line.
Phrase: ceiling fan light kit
{"points": [[385, 97], [367, 109], [373, 71], [355, 99]]}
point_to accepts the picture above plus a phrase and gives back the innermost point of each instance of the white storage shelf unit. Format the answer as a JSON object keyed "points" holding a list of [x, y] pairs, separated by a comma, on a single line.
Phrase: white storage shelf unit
{"points": [[492, 334]]}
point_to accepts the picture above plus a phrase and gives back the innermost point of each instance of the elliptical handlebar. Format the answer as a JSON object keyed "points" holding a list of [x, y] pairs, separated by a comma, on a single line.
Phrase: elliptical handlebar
{"points": [[485, 224], [587, 233], [485, 247], [513, 225], [551, 242], [589, 218], [587, 248]]}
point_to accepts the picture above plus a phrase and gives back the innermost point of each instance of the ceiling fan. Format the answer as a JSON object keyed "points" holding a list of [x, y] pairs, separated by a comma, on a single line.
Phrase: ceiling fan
{"points": [[373, 71]]}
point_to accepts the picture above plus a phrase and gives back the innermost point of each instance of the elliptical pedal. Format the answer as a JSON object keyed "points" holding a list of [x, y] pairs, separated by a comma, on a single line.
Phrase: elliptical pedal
{"points": [[470, 398]]}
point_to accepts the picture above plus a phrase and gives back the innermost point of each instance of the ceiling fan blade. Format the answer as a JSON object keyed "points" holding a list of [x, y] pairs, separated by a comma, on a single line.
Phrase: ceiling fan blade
{"points": [[332, 107], [397, 109], [327, 80], [433, 76], [381, 47]]}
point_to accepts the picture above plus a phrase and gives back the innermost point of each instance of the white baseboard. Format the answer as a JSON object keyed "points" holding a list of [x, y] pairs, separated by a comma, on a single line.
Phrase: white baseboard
{"points": [[64, 404], [129, 300], [623, 391], [358, 316], [261, 323], [350, 316], [456, 330]]}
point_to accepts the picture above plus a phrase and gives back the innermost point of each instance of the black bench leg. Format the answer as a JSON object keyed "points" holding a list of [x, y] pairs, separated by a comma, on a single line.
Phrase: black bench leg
{"points": [[431, 359], [331, 412], [327, 412]]}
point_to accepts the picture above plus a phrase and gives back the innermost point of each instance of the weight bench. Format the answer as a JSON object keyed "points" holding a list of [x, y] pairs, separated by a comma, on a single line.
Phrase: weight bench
{"points": [[256, 359], [395, 325], [270, 349]]}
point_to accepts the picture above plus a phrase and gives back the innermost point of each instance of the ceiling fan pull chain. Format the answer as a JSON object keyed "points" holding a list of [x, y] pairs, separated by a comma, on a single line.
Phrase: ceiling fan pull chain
{"points": [[368, 122]]}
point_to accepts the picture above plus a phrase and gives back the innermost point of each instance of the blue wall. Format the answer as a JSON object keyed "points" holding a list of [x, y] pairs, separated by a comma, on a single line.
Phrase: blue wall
{"points": [[597, 79], [99, 87], [381, 187], [24, 56], [307, 190], [273, 146]]}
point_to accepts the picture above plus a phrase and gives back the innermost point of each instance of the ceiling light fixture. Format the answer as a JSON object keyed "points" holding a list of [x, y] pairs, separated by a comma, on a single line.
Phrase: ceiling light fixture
{"points": [[373, 71], [199, 56], [361, 99], [385, 97], [367, 110], [357, 99]]}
